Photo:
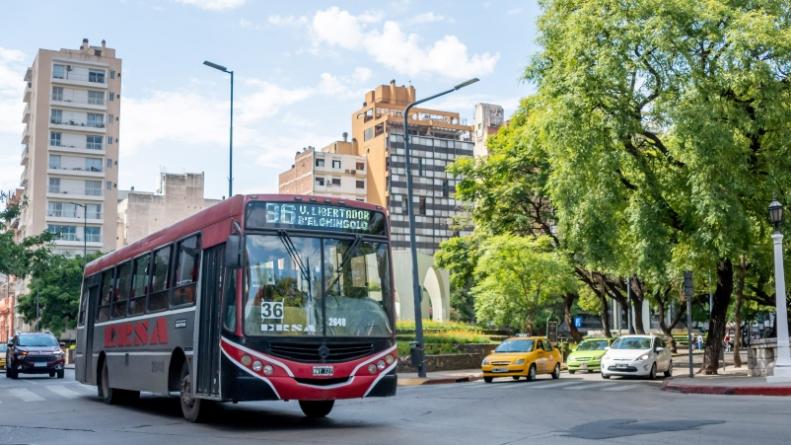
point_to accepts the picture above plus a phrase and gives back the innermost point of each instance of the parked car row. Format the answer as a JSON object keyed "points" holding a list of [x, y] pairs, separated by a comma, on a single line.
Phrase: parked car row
{"points": [[629, 355]]}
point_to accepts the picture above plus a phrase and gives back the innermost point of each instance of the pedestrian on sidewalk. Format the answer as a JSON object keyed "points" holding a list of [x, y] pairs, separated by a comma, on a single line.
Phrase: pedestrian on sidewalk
{"points": [[700, 342]]}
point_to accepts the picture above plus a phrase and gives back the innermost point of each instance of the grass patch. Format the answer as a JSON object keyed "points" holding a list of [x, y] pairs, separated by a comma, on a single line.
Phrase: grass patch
{"points": [[439, 338]]}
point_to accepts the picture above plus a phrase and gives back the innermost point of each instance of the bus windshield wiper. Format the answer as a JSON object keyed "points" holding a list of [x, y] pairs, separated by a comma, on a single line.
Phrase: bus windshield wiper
{"points": [[347, 256], [292, 251]]}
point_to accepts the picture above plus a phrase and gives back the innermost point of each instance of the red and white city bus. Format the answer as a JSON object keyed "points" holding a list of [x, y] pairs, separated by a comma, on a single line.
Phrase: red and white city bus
{"points": [[260, 297]]}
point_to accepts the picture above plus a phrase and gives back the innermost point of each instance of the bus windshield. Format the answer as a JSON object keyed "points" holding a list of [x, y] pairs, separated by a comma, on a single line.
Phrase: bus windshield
{"points": [[304, 286]]}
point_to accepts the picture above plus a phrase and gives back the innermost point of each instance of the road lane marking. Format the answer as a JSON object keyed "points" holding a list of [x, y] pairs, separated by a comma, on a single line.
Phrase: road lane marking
{"points": [[63, 391], [621, 387], [25, 395], [560, 385]]}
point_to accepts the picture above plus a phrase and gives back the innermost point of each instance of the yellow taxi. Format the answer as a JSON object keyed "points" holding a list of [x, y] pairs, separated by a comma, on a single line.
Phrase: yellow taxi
{"points": [[3, 349], [522, 357]]}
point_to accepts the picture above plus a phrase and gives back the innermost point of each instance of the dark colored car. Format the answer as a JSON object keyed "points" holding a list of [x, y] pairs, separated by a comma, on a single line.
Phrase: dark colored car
{"points": [[34, 353]]}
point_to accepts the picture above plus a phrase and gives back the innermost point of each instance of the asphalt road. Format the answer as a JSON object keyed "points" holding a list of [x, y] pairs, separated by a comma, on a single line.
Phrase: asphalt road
{"points": [[575, 409]]}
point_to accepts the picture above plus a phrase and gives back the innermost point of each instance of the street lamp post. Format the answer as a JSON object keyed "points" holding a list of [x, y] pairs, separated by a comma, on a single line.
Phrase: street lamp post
{"points": [[84, 230], [782, 369], [417, 354], [230, 142]]}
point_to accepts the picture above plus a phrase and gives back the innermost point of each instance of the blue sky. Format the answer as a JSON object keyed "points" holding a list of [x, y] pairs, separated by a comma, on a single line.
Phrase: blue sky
{"points": [[301, 70]]}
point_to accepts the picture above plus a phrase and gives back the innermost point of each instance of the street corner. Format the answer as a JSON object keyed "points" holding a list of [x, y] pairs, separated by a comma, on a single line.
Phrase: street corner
{"points": [[737, 386]]}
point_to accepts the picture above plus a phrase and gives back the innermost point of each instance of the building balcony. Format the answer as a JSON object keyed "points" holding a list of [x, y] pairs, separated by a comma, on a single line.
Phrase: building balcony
{"points": [[26, 114], [74, 103], [98, 127], [26, 135], [61, 195], [76, 241], [76, 171], [80, 79], [77, 149], [25, 155], [71, 217], [23, 178], [28, 92]]}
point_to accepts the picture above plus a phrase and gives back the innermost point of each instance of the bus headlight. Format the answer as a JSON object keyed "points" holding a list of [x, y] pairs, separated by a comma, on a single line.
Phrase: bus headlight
{"points": [[381, 365], [268, 370], [257, 366], [389, 359], [372, 368], [246, 360]]}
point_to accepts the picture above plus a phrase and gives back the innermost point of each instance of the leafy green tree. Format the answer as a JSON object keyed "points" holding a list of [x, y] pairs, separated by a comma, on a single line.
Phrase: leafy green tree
{"points": [[519, 277], [19, 258], [459, 255], [665, 126]]}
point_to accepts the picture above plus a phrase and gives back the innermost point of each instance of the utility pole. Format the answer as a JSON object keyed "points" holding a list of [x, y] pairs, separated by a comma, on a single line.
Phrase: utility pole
{"points": [[688, 289]]}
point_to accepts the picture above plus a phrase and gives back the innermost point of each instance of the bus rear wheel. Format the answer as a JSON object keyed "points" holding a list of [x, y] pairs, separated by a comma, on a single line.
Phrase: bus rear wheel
{"points": [[191, 408], [316, 408], [106, 394]]}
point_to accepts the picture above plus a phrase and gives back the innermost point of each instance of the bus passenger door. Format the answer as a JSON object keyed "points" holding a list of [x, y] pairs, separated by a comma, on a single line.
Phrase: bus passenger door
{"points": [[208, 347], [84, 365]]}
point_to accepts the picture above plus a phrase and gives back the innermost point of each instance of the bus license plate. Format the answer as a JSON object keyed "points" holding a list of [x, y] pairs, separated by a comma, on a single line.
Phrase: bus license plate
{"points": [[323, 370]]}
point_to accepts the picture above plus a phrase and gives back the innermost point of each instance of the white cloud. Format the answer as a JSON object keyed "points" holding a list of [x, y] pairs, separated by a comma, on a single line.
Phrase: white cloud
{"points": [[213, 5], [393, 48], [12, 86], [362, 74], [267, 100], [429, 17], [515, 11]]}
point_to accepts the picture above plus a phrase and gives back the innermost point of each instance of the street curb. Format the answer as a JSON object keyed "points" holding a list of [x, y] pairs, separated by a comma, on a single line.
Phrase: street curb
{"points": [[439, 381], [729, 390]]}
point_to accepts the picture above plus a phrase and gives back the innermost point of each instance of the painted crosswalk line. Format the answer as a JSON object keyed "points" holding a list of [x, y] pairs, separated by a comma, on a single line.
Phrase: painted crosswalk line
{"points": [[25, 395], [63, 391]]}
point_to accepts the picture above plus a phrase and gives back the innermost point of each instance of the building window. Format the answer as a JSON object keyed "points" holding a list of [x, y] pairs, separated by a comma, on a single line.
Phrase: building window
{"points": [[54, 185], [93, 164], [93, 188], [61, 232], [58, 71], [319, 162], [54, 161], [57, 93], [55, 209], [109, 185], [96, 97], [422, 205], [94, 211], [336, 163], [96, 76], [336, 181], [93, 142], [54, 139], [360, 184], [109, 140], [109, 162], [360, 166], [112, 96], [445, 188], [420, 170], [368, 134], [57, 117], [93, 234], [112, 74], [95, 120], [320, 181]]}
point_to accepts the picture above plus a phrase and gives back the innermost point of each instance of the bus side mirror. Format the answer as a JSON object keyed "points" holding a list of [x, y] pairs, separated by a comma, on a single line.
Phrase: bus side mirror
{"points": [[233, 252]]}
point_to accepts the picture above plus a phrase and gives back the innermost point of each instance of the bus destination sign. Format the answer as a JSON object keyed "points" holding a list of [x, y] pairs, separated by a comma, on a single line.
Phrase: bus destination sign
{"points": [[310, 216]]}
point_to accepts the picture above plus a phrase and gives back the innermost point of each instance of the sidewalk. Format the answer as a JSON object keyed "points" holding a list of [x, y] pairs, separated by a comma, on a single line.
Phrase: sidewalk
{"points": [[727, 385], [462, 375]]}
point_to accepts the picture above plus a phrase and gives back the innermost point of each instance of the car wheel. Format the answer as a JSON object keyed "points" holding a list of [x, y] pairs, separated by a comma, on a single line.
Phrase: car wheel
{"points": [[191, 408], [531, 373], [10, 373], [571, 371], [556, 372], [605, 376], [515, 377], [669, 371], [61, 374], [652, 373], [316, 408], [488, 379], [51, 374]]}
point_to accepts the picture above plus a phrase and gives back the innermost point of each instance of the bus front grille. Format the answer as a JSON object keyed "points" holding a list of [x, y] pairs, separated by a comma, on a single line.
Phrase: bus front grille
{"points": [[320, 353]]}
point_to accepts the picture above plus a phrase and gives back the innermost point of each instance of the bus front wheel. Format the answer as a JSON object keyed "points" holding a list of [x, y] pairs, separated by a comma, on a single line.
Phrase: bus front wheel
{"points": [[316, 408], [192, 409]]}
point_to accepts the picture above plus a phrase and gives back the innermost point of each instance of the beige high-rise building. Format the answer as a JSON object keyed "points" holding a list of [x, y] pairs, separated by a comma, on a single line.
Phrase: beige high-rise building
{"points": [[336, 170], [143, 213], [70, 147]]}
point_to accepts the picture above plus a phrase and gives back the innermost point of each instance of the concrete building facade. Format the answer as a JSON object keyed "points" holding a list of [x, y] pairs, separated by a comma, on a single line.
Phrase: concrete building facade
{"points": [[488, 119], [70, 147], [336, 170], [143, 213]]}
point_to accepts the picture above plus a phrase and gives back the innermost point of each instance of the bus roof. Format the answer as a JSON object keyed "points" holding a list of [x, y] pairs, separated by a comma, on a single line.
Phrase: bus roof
{"points": [[206, 217]]}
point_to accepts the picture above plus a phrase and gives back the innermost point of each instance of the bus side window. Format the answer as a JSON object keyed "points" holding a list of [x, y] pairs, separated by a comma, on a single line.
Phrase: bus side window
{"points": [[83, 303], [137, 299], [121, 294], [103, 313], [229, 300], [188, 255], [158, 298]]}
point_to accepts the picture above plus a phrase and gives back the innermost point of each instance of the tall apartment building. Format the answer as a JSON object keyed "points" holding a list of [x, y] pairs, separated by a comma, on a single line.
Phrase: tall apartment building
{"points": [[336, 170], [143, 213], [488, 119], [70, 147]]}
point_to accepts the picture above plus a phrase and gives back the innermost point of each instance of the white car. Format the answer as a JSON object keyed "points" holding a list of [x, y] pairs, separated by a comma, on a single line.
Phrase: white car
{"points": [[638, 355]]}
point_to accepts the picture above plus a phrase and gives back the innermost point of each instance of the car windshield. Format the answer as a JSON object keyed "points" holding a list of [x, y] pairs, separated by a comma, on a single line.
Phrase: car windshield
{"points": [[302, 286], [515, 346], [632, 343], [592, 345], [3, 347], [37, 340]]}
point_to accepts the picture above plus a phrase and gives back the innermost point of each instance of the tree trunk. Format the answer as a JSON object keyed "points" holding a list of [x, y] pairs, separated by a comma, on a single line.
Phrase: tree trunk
{"points": [[638, 297], [718, 317], [737, 338], [668, 330], [568, 303]]}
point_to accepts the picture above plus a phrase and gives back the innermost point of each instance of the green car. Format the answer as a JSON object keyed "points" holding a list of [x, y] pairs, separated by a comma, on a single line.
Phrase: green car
{"points": [[587, 356]]}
